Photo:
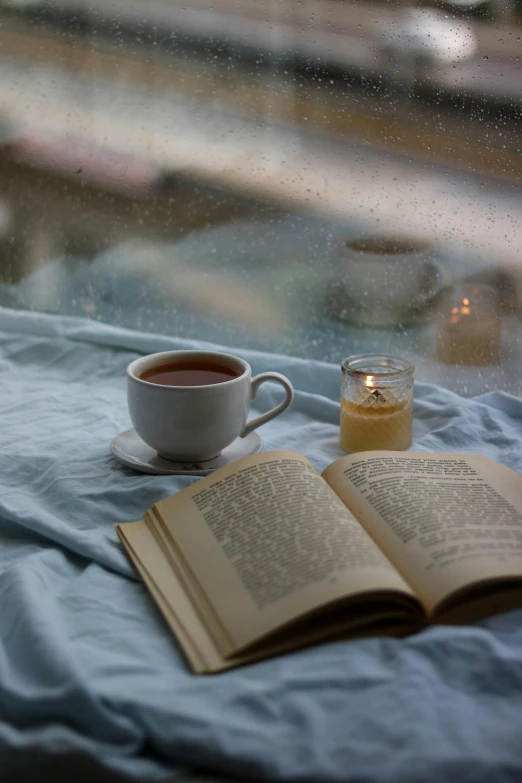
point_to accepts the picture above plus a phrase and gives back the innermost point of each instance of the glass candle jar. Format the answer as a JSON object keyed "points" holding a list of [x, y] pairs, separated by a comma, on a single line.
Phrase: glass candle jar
{"points": [[376, 403]]}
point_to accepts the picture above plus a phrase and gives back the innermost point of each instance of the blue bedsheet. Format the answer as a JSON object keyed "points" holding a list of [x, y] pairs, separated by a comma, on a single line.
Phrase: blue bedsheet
{"points": [[86, 662]]}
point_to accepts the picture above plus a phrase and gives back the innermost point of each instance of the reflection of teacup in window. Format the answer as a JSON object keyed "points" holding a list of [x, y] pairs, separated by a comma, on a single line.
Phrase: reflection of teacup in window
{"points": [[385, 279]]}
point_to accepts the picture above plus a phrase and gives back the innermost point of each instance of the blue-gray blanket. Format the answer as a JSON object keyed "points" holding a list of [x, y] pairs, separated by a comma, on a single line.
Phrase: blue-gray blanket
{"points": [[87, 663]]}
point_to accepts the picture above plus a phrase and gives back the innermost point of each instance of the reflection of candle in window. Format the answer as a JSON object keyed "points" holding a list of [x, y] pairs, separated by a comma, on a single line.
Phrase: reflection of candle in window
{"points": [[471, 334]]}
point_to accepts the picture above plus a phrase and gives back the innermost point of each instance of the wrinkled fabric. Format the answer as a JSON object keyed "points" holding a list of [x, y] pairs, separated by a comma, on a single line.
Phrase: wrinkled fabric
{"points": [[87, 664]]}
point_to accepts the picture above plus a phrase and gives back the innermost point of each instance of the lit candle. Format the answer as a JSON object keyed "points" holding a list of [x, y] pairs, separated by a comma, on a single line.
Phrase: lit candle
{"points": [[376, 403]]}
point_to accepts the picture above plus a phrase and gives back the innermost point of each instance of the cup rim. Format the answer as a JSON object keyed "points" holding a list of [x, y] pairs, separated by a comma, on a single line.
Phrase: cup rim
{"points": [[148, 359], [367, 245]]}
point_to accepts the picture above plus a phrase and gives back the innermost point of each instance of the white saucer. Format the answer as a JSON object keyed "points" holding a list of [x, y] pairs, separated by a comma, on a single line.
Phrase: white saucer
{"points": [[129, 448]]}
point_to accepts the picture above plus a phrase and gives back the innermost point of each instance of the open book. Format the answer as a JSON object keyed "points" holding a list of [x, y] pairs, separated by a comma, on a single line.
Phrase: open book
{"points": [[267, 555]]}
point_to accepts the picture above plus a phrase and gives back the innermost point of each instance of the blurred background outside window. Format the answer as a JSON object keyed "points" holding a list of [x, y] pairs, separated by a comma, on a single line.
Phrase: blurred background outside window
{"points": [[312, 177]]}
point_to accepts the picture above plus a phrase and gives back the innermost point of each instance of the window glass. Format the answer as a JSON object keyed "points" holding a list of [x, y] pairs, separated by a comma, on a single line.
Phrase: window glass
{"points": [[312, 177]]}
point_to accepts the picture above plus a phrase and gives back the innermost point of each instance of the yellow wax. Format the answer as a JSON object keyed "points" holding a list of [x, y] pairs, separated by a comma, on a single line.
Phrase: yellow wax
{"points": [[365, 428]]}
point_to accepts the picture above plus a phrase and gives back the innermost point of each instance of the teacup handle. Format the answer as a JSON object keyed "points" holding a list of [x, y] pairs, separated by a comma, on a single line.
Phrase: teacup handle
{"points": [[256, 383]]}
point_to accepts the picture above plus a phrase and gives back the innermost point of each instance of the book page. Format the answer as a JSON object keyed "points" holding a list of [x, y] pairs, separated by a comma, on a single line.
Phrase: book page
{"points": [[444, 520], [266, 541], [162, 581], [189, 585]]}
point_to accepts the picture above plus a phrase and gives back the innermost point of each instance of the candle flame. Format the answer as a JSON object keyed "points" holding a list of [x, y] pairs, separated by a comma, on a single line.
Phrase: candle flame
{"points": [[369, 381], [465, 301]]}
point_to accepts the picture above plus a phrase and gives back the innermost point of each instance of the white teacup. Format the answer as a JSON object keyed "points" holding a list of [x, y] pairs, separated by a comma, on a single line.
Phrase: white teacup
{"points": [[194, 423]]}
